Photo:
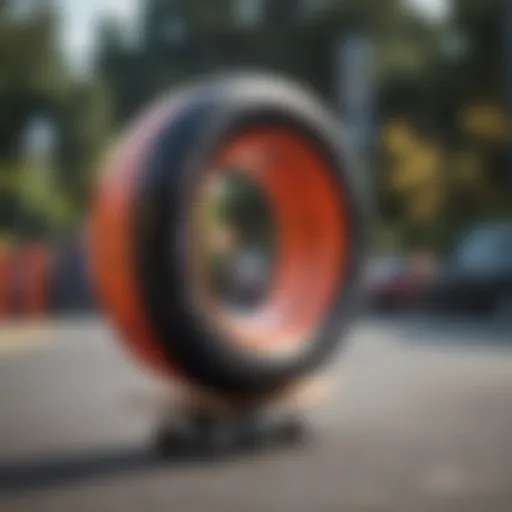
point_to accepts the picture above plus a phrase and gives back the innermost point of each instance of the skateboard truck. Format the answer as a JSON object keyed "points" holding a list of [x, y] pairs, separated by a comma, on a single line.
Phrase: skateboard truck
{"points": [[195, 424]]}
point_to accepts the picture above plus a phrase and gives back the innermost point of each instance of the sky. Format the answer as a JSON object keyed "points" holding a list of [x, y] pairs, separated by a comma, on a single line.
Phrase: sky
{"points": [[79, 19], [432, 9]]}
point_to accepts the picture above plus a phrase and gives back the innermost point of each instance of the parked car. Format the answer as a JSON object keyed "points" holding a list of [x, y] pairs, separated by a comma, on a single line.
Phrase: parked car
{"points": [[477, 277], [395, 282]]}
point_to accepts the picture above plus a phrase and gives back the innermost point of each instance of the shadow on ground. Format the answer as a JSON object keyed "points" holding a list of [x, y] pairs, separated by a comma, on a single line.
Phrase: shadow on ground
{"points": [[66, 470]]}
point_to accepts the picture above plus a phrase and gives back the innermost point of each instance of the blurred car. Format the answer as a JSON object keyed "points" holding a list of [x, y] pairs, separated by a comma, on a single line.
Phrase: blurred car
{"points": [[395, 283], [477, 277]]}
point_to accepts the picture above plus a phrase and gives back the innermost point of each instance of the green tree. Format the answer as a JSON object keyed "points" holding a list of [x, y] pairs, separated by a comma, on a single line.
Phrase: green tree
{"points": [[35, 82]]}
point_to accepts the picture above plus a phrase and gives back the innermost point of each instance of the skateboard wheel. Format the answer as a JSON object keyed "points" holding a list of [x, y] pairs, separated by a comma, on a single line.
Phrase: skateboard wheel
{"points": [[151, 256]]}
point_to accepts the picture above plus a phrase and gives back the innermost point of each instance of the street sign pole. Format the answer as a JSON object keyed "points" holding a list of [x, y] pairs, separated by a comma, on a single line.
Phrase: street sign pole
{"points": [[355, 87], [507, 65]]}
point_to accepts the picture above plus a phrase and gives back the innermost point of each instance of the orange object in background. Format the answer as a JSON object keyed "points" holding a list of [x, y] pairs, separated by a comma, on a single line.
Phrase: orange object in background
{"points": [[36, 265], [25, 275], [5, 286]]}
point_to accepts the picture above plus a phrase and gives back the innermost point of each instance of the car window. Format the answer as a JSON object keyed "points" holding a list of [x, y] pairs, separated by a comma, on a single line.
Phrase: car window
{"points": [[485, 250], [506, 251], [477, 251]]}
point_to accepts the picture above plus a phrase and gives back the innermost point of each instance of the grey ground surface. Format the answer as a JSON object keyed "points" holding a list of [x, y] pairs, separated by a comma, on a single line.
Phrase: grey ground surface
{"points": [[420, 419]]}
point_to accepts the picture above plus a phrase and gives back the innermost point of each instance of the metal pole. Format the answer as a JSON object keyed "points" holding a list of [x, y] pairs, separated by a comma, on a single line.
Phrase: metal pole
{"points": [[507, 68]]}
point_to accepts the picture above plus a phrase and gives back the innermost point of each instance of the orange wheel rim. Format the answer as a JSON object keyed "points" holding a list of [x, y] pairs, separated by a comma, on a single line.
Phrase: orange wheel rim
{"points": [[312, 232]]}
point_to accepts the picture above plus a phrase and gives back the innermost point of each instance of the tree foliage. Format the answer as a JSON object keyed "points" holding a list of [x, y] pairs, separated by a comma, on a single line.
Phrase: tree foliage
{"points": [[36, 83]]}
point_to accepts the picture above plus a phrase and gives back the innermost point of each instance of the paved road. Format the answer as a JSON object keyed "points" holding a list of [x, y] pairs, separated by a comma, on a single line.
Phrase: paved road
{"points": [[421, 420]]}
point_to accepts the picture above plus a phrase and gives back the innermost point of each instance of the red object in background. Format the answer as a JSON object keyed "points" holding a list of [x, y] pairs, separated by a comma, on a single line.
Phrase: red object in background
{"points": [[5, 273], [36, 266], [399, 282], [399, 289], [25, 275]]}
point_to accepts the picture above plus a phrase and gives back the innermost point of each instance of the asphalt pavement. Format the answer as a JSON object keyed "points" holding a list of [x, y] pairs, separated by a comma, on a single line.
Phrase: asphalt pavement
{"points": [[419, 418]]}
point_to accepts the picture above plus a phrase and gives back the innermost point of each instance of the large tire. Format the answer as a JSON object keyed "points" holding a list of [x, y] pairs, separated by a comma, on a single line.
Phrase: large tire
{"points": [[141, 243]]}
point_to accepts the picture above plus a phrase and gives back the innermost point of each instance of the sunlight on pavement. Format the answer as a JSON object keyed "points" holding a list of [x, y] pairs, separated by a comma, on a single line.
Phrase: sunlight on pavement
{"points": [[17, 339]]}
